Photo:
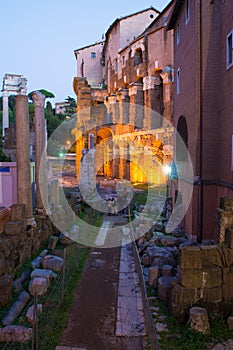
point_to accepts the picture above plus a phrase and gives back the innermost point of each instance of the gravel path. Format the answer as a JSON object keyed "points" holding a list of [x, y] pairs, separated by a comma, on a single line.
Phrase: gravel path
{"points": [[92, 319]]}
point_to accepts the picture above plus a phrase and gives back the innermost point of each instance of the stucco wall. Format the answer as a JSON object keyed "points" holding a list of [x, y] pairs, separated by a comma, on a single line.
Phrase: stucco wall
{"points": [[133, 26], [92, 67]]}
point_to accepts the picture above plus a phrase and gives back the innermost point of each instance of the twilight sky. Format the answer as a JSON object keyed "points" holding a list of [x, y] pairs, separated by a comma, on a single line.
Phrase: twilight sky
{"points": [[38, 38]]}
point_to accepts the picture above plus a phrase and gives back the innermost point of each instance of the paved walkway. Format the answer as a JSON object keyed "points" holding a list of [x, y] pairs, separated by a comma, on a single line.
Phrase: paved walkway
{"points": [[107, 312], [130, 316]]}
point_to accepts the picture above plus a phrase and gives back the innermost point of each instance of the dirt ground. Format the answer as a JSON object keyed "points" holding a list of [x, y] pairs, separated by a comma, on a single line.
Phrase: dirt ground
{"points": [[92, 318]]}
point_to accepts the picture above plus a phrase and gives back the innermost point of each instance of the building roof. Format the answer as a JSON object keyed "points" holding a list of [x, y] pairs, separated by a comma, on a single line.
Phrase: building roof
{"points": [[88, 46], [170, 4], [125, 17], [151, 25], [175, 13]]}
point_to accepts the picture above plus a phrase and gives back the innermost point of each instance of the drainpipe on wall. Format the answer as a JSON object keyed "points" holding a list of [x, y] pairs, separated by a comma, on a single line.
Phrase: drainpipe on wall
{"points": [[146, 53], [201, 185]]}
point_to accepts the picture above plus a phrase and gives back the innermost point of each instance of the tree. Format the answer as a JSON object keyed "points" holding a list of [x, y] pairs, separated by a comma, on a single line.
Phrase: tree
{"points": [[71, 109], [46, 93], [49, 107]]}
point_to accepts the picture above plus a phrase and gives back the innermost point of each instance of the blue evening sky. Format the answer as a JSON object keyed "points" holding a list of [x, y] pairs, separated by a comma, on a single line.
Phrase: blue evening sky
{"points": [[38, 38]]}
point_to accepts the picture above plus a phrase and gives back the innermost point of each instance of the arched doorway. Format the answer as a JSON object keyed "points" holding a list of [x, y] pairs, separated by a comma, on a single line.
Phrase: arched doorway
{"points": [[104, 152]]}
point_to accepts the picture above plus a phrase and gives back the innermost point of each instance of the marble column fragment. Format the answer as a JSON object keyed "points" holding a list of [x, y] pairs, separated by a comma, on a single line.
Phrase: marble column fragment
{"points": [[136, 105], [167, 76], [5, 117], [24, 192], [54, 192], [41, 154]]}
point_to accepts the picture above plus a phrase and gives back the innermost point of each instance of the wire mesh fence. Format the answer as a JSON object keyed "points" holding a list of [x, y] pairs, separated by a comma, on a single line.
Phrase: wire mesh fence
{"points": [[52, 303]]}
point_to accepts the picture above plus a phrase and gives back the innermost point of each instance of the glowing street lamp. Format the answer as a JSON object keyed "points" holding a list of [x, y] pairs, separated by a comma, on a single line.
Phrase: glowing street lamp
{"points": [[167, 170]]}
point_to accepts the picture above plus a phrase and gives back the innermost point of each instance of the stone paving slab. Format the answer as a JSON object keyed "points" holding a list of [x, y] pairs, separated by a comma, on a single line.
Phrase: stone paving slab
{"points": [[130, 316], [100, 239]]}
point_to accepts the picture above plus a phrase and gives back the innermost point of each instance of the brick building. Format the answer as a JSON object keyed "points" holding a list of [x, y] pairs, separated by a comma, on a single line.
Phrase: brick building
{"points": [[61, 107], [203, 71]]}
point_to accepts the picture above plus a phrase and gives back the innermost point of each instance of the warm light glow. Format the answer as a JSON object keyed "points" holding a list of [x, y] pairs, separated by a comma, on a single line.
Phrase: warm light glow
{"points": [[167, 169]]}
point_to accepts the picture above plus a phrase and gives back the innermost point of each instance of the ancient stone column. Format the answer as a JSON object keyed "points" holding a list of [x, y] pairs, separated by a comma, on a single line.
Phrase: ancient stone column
{"points": [[41, 155], [136, 105], [79, 142], [153, 97], [167, 94], [83, 92], [55, 192], [5, 117], [113, 108], [23, 157], [123, 98]]}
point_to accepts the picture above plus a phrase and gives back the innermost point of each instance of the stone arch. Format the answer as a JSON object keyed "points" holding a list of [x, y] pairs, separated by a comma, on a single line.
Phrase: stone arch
{"points": [[156, 72], [139, 79], [138, 57], [182, 135], [103, 134], [138, 46], [104, 152]]}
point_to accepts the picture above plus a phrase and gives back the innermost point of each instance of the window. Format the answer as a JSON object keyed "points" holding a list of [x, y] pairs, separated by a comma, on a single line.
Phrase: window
{"points": [[93, 54], [178, 34], [116, 65], [138, 57], [123, 61], [178, 81], [182, 139], [229, 49], [187, 12], [82, 68]]}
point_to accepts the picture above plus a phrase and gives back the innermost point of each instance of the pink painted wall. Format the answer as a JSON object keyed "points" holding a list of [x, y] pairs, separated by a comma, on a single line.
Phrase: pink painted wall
{"points": [[8, 183]]}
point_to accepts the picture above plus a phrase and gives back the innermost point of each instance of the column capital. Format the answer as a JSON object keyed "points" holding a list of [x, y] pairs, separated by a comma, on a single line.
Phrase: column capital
{"points": [[5, 93], [134, 88], [167, 74], [149, 82], [112, 99], [122, 94], [38, 99]]}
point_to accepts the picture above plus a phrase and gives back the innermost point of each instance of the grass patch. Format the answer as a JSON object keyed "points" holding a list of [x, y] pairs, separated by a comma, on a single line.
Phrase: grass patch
{"points": [[52, 326], [181, 337], [54, 310]]}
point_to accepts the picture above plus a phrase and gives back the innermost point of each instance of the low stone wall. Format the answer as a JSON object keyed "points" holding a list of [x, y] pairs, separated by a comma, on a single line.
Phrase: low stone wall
{"points": [[4, 218], [205, 275], [17, 244]]}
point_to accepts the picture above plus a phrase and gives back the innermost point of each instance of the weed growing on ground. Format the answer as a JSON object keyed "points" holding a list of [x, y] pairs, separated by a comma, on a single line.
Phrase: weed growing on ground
{"points": [[181, 337]]}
